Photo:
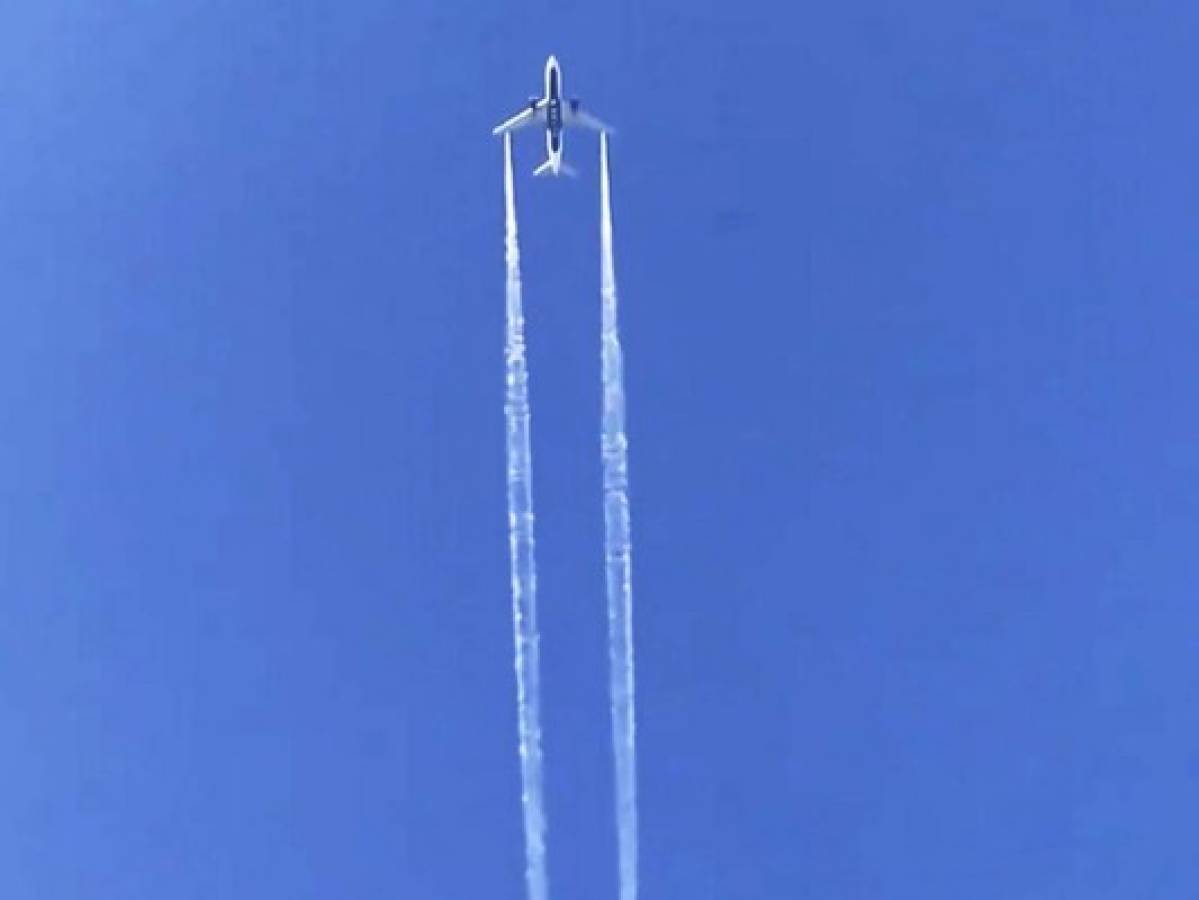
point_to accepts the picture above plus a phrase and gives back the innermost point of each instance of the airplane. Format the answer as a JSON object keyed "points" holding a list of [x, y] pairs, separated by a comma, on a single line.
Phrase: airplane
{"points": [[556, 115]]}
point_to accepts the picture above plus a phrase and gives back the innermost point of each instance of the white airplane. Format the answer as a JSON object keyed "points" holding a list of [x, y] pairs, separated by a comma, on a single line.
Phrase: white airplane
{"points": [[555, 115]]}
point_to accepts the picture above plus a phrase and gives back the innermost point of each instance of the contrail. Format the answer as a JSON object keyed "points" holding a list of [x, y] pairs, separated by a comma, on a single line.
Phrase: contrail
{"points": [[524, 567], [617, 551]]}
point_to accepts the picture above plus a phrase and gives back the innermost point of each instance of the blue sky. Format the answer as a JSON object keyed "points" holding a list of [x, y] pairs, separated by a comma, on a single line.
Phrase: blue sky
{"points": [[908, 312]]}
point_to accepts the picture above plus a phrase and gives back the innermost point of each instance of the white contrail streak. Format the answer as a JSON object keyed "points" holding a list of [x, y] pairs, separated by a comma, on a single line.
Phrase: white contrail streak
{"points": [[524, 568], [617, 551]]}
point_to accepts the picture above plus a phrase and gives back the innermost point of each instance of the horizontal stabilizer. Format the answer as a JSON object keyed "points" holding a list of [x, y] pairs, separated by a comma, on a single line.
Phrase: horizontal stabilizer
{"points": [[547, 168]]}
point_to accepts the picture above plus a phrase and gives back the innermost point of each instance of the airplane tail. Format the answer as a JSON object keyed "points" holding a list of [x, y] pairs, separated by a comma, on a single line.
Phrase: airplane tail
{"points": [[547, 168]]}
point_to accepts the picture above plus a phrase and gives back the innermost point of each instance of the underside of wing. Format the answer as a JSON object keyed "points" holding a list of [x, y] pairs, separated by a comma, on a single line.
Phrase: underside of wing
{"points": [[579, 118], [526, 116]]}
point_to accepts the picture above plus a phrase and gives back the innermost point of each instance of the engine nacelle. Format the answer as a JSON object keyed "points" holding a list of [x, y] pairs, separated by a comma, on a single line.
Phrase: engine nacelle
{"points": [[574, 104], [533, 102]]}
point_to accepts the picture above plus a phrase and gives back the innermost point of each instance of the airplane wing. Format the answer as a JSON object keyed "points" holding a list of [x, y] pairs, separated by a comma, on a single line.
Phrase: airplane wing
{"points": [[581, 119], [526, 116]]}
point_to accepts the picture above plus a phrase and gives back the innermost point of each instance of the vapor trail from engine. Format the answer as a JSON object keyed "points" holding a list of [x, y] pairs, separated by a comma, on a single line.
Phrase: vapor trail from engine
{"points": [[617, 550], [524, 568]]}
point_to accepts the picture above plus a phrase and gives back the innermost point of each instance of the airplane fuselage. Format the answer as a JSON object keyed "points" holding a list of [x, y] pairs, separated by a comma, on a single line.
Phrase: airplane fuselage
{"points": [[553, 112]]}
